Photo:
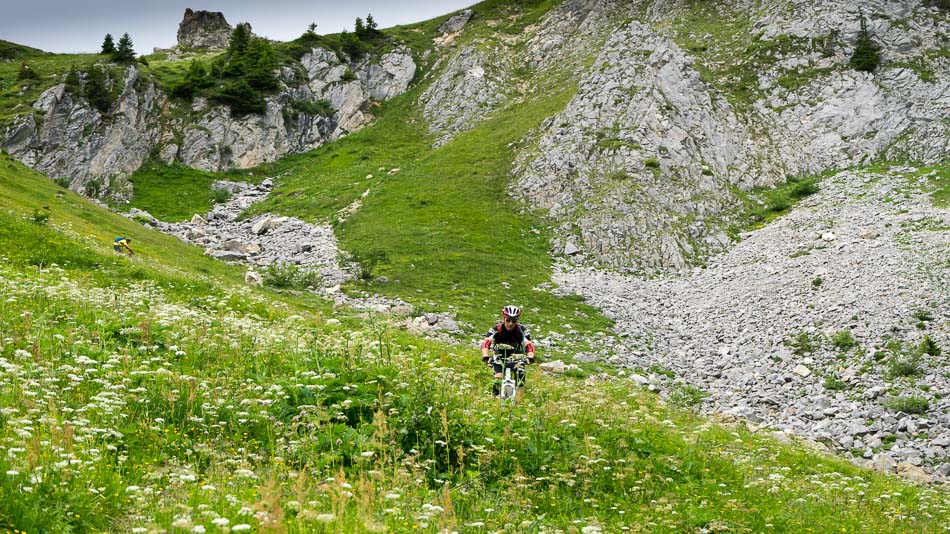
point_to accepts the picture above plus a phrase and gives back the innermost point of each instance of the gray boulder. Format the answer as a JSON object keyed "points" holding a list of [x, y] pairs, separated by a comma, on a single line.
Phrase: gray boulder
{"points": [[457, 22]]}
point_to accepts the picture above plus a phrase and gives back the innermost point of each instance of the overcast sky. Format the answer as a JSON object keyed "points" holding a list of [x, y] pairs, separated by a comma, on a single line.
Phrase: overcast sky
{"points": [[80, 25]]}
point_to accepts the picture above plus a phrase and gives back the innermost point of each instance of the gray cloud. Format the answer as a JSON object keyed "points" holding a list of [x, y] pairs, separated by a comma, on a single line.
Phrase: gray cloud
{"points": [[71, 26]]}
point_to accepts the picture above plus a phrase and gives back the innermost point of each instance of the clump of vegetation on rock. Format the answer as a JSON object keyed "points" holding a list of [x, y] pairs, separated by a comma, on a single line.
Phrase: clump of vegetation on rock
{"points": [[866, 57]]}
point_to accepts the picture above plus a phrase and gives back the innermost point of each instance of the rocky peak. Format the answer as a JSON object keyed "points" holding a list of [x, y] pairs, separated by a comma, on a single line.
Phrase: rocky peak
{"points": [[204, 29]]}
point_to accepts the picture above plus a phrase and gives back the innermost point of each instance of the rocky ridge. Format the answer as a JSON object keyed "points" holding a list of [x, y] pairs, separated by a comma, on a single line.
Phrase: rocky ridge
{"points": [[757, 329], [477, 79], [95, 153], [639, 171]]}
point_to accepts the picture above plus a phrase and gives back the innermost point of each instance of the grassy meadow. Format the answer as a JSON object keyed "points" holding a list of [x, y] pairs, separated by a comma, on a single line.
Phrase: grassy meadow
{"points": [[158, 394]]}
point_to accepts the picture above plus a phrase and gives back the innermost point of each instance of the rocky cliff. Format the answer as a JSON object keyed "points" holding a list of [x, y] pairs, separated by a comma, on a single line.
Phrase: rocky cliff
{"points": [[639, 170], [204, 29], [95, 152]]}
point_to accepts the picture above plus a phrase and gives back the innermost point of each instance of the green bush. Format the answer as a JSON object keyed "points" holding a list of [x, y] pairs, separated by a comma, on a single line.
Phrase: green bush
{"points": [[832, 383], [651, 163], [240, 97], [26, 73], [844, 341], [804, 188], [316, 109], [195, 80], [905, 367], [39, 217], [928, 346], [909, 405], [368, 261], [96, 90], [686, 396], [865, 57], [803, 344], [289, 276]]}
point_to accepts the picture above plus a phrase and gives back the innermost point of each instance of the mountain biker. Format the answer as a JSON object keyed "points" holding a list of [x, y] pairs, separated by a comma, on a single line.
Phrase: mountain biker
{"points": [[509, 332], [121, 244]]}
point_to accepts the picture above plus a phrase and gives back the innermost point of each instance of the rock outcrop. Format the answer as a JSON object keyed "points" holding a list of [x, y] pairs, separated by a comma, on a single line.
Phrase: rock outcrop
{"points": [[640, 170], [204, 29], [95, 152], [91, 152]]}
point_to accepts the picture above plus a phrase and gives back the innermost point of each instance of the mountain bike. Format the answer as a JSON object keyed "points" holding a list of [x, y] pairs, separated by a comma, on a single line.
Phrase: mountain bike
{"points": [[513, 363]]}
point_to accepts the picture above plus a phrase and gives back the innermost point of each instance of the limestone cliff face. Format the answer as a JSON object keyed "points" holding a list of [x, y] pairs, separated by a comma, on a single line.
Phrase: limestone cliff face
{"points": [[204, 29], [95, 153], [639, 171], [91, 152]]}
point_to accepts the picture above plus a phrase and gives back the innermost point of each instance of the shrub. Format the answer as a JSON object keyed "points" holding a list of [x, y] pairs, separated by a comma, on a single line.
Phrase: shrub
{"points": [[844, 341], [193, 82], [26, 73], [96, 91], [352, 46], [803, 344], [348, 75], [651, 163], [923, 314], [240, 97], [832, 383], [928, 346], [816, 283], [910, 405], [72, 80], [39, 217], [906, 367], [865, 57], [686, 396], [289, 276], [804, 188], [368, 261], [318, 108]]}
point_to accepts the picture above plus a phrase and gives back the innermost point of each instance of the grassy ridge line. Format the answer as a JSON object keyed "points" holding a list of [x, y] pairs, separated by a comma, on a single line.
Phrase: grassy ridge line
{"points": [[182, 415]]}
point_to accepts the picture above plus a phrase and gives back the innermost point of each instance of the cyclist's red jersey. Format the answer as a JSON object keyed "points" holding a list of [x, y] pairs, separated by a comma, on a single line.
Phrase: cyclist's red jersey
{"points": [[518, 337]]}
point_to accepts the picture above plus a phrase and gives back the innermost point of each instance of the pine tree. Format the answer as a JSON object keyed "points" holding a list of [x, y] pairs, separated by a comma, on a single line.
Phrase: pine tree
{"points": [[237, 64], [312, 29], [124, 53], [194, 81], [72, 80], [865, 57], [240, 40], [261, 64], [359, 28], [108, 47], [96, 91], [371, 26]]}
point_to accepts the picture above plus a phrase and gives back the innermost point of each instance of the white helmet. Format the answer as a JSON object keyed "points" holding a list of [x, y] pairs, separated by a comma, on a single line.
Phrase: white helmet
{"points": [[511, 311]]}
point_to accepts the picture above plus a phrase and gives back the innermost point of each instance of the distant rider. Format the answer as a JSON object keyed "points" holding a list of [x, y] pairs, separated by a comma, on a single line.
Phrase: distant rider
{"points": [[509, 332], [121, 245]]}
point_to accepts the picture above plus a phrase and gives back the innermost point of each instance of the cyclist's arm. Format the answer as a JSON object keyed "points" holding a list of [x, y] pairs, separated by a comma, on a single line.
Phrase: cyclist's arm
{"points": [[528, 345], [486, 344]]}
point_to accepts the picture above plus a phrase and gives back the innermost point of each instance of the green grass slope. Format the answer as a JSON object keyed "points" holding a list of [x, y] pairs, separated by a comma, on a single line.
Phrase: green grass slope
{"points": [[158, 394]]}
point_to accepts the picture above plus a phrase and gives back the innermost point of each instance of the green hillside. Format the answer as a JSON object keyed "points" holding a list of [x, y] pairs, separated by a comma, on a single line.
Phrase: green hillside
{"points": [[157, 393]]}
